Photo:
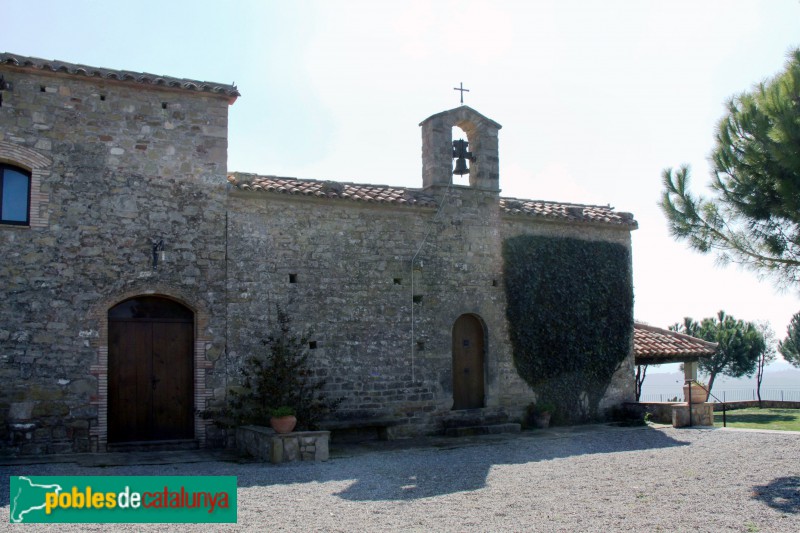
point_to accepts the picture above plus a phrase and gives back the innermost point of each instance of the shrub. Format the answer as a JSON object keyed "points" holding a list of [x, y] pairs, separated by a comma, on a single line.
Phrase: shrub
{"points": [[281, 380]]}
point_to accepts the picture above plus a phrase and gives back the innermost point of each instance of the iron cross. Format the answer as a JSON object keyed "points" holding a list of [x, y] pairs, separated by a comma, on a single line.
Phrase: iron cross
{"points": [[462, 89]]}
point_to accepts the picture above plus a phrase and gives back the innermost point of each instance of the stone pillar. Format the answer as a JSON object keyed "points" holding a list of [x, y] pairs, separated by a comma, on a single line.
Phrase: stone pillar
{"points": [[702, 414], [690, 371]]}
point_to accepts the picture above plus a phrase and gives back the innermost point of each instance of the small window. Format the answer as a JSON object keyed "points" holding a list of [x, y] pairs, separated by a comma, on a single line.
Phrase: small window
{"points": [[15, 195]]}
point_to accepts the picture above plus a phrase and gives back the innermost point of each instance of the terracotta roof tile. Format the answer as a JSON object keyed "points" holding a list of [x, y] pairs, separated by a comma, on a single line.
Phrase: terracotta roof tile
{"points": [[418, 197], [652, 345], [355, 192], [117, 75], [566, 211]]}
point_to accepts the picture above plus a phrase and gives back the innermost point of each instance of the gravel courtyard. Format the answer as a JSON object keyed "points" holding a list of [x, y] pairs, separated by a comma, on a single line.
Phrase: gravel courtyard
{"points": [[574, 479]]}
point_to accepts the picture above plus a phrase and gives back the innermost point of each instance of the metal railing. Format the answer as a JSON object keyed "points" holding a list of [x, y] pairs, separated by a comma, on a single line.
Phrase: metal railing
{"points": [[732, 395]]}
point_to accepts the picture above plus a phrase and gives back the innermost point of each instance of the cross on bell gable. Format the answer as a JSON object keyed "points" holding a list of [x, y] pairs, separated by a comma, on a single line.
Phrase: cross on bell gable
{"points": [[462, 89]]}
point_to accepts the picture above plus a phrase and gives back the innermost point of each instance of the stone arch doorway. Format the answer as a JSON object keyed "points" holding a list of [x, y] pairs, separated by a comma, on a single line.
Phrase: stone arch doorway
{"points": [[468, 362], [150, 371]]}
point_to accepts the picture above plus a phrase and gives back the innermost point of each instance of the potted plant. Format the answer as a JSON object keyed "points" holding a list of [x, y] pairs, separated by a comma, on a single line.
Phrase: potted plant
{"points": [[698, 391], [283, 419], [542, 412]]}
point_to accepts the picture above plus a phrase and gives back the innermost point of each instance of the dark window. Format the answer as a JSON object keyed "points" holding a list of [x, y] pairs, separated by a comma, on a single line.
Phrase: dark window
{"points": [[15, 195]]}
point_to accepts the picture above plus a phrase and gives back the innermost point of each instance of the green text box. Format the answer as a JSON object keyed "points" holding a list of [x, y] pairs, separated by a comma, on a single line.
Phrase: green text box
{"points": [[123, 499]]}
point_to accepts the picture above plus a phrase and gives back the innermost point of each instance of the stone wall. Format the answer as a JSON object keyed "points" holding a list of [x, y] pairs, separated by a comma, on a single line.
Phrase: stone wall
{"points": [[119, 166], [765, 404], [343, 269]]}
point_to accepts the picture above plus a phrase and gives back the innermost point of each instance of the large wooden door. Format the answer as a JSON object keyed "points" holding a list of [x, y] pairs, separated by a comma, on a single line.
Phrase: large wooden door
{"points": [[468, 355], [150, 371]]}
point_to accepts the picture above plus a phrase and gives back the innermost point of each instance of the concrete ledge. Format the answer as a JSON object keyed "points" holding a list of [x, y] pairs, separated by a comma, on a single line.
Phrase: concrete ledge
{"points": [[660, 412]]}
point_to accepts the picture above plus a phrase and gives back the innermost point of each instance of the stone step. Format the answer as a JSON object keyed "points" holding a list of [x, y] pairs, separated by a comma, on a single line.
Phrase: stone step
{"points": [[488, 429], [155, 446]]}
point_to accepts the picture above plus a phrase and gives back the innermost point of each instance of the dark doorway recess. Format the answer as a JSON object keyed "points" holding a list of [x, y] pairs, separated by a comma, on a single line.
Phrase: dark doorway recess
{"points": [[150, 371]]}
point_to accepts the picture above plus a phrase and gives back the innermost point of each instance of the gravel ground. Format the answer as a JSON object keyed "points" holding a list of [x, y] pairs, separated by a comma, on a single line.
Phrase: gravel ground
{"points": [[612, 479]]}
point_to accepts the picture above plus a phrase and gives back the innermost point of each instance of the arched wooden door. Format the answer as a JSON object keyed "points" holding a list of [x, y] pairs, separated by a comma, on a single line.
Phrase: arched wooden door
{"points": [[468, 356], [150, 370]]}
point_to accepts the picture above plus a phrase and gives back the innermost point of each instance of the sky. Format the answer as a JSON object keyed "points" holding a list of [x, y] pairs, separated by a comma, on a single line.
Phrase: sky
{"points": [[595, 98]]}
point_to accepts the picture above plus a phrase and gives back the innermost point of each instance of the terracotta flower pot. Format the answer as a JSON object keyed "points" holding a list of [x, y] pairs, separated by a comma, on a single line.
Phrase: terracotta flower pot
{"points": [[283, 424], [699, 394], [541, 420]]}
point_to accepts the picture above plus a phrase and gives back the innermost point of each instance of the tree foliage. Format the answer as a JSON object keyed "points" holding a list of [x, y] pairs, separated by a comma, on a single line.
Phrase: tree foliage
{"points": [[790, 346], [740, 345], [570, 315], [754, 217]]}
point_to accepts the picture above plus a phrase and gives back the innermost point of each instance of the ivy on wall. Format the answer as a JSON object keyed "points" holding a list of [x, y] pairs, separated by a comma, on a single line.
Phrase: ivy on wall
{"points": [[570, 316]]}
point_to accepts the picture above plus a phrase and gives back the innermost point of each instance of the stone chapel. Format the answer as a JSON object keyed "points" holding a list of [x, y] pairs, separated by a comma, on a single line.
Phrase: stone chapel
{"points": [[138, 271]]}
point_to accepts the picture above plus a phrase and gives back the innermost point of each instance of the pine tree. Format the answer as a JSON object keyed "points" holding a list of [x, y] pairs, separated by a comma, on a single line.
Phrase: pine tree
{"points": [[740, 344], [282, 376], [754, 218], [790, 346]]}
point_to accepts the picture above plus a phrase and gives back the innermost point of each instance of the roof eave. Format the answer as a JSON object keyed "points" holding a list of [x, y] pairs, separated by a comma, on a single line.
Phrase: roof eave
{"points": [[142, 79]]}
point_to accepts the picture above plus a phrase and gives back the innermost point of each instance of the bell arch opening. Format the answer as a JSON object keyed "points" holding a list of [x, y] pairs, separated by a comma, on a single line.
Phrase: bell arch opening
{"points": [[461, 165]]}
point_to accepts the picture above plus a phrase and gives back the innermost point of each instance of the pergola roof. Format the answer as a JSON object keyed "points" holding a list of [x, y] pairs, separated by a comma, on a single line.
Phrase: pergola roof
{"points": [[655, 346]]}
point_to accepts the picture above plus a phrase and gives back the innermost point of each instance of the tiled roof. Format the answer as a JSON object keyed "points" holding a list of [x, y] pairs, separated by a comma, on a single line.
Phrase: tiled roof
{"points": [[333, 189], [418, 197], [117, 75], [653, 345], [567, 211]]}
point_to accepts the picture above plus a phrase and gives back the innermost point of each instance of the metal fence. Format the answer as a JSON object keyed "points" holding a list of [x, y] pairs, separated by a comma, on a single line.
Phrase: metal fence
{"points": [[731, 395]]}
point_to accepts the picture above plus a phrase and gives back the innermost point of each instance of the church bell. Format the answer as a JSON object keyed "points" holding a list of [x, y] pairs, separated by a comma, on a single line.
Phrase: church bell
{"points": [[461, 167], [460, 154]]}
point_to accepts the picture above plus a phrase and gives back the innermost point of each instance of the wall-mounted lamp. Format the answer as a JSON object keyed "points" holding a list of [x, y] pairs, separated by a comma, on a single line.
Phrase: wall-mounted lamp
{"points": [[158, 252]]}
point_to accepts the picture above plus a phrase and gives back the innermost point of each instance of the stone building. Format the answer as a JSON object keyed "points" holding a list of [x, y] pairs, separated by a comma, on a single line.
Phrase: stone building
{"points": [[136, 277]]}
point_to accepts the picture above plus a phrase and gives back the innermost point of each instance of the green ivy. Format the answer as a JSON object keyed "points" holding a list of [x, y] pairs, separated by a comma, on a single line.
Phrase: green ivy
{"points": [[570, 315]]}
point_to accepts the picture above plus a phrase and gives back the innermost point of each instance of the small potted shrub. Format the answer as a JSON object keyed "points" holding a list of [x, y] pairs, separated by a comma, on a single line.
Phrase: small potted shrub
{"points": [[283, 419], [541, 414]]}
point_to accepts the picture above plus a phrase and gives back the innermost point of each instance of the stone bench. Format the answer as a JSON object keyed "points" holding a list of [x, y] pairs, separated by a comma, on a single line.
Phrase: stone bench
{"points": [[380, 425], [265, 444]]}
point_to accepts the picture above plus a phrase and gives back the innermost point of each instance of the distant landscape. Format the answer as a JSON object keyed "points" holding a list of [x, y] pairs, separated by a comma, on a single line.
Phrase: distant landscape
{"points": [[662, 386]]}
